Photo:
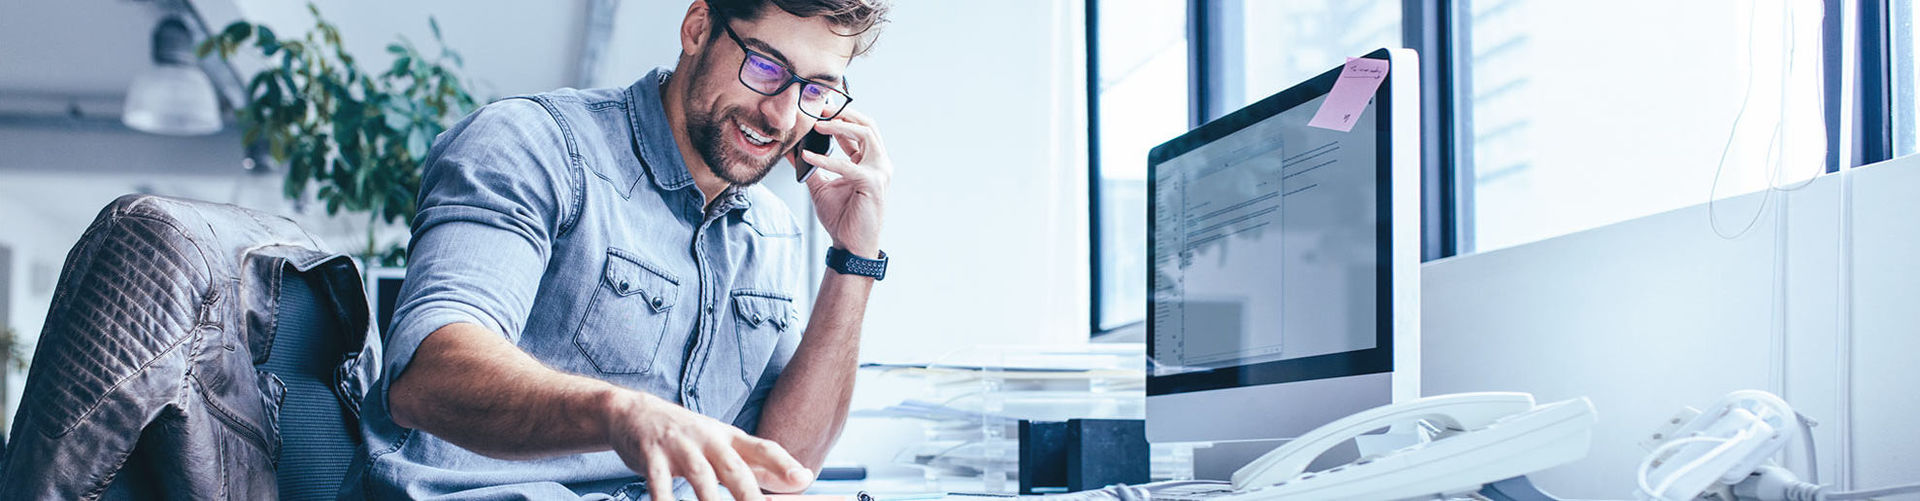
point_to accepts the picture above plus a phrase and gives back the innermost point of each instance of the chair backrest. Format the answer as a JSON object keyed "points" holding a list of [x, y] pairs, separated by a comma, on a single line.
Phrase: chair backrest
{"points": [[318, 438], [194, 350]]}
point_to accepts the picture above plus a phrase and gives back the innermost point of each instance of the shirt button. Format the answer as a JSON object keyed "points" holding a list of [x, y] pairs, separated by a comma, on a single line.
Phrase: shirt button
{"points": [[623, 286], [709, 307], [657, 302]]}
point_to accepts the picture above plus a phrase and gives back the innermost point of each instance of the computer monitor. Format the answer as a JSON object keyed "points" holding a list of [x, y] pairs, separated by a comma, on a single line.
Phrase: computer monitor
{"points": [[383, 285], [1284, 265]]}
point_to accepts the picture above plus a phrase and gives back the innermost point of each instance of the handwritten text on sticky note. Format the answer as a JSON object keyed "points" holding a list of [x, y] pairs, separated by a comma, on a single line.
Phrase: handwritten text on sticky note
{"points": [[1358, 79]]}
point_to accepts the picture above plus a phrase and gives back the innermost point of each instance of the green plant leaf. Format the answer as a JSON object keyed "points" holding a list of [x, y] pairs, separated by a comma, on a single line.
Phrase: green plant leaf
{"points": [[297, 172], [416, 143], [400, 66], [237, 32], [278, 150], [268, 43], [359, 137], [398, 118], [396, 256]]}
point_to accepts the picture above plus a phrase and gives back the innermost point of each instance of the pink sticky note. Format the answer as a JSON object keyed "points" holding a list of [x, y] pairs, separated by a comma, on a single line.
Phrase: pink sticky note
{"points": [[1358, 79]]}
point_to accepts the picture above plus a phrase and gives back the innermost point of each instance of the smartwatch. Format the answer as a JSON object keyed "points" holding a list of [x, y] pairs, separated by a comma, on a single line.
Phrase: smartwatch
{"points": [[846, 263]]}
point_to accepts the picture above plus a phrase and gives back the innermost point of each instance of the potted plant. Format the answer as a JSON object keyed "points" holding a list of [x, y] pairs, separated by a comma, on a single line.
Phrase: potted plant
{"points": [[359, 136]]}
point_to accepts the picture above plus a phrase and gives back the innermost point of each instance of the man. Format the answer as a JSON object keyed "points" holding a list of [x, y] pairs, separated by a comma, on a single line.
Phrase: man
{"points": [[601, 299]]}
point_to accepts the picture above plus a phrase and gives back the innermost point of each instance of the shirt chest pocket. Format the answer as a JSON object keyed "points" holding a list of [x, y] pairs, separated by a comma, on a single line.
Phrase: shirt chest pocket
{"points": [[626, 321], [760, 320]]}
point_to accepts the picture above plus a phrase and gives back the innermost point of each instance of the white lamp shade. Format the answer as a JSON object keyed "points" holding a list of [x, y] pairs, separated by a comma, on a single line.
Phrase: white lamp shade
{"points": [[174, 100]]}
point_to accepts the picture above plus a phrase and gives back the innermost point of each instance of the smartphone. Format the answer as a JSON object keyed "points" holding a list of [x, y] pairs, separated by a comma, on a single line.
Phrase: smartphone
{"points": [[814, 142]]}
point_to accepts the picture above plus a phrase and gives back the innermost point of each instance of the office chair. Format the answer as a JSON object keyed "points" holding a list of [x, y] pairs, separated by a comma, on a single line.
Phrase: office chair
{"points": [[194, 350]]}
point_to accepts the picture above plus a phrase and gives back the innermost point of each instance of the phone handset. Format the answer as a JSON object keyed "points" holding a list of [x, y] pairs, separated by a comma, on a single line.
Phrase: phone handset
{"points": [[814, 142], [1483, 438], [1464, 411]]}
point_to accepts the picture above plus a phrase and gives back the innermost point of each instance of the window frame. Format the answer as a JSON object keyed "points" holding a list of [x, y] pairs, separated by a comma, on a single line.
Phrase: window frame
{"points": [[1092, 27]]}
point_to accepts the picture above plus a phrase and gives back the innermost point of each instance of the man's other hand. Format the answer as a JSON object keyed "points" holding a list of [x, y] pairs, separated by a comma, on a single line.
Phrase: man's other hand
{"points": [[661, 440], [851, 202]]}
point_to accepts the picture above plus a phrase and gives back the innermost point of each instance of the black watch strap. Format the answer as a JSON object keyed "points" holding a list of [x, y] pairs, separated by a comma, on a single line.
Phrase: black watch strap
{"points": [[846, 263]]}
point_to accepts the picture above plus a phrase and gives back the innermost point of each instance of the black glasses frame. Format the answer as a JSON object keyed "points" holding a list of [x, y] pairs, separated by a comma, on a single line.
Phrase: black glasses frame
{"points": [[791, 78]]}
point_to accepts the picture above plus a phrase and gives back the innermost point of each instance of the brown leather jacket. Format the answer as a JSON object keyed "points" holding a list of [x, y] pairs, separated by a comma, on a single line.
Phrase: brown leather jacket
{"points": [[149, 379]]}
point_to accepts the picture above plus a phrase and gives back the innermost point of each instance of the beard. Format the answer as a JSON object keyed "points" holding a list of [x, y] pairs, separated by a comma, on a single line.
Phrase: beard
{"points": [[712, 142]]}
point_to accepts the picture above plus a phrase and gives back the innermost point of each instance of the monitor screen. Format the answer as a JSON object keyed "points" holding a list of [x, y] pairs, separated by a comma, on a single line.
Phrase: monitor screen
{"points": [[1269, 249], [383, 284]]}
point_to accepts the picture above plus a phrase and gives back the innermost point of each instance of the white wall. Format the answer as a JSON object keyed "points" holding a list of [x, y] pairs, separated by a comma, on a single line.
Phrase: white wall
{"points": [[1653, 314], [509, 47]]}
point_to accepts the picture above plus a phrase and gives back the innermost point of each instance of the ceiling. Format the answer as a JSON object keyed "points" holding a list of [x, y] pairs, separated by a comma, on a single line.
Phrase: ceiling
{"points": [[89, 48], [66, 50]]}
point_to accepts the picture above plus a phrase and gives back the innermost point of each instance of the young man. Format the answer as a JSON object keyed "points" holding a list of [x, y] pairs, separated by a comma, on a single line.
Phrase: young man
{"points": [[601, 299]]}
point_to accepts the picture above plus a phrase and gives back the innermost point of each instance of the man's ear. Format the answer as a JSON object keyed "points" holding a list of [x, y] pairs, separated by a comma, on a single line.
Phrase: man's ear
{"points": [[693, 29]]}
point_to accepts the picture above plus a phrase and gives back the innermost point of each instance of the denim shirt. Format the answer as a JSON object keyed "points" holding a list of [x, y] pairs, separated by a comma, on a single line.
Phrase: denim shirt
{"points": [[568, 223]]}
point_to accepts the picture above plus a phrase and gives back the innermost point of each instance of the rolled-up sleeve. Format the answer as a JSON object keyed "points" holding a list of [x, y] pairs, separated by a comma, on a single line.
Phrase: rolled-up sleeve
{"points": [[495, 191]]}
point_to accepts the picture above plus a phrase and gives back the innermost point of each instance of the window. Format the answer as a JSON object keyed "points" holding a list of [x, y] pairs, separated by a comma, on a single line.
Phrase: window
{"points": [[1263, 47], [1571, 123], [1139, 92], [1542, 118]]}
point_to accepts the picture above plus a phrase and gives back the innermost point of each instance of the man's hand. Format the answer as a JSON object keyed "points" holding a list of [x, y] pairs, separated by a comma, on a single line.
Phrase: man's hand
{"points": [[471, 387], [851, 203], [661, 440]]}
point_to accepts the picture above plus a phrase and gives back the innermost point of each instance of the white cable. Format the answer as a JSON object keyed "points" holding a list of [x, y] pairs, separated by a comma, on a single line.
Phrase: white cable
{"points": [[1775, 160], [1787, 416], [1770, 483], [1777, 484], [1792, 31], [1806, 440], [1738, 116], [1883, 491], [1646, 464], [1710, 455]]}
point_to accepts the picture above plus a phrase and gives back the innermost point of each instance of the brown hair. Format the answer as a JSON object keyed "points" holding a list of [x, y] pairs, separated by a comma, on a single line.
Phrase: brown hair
{"points": [[851, 18]]}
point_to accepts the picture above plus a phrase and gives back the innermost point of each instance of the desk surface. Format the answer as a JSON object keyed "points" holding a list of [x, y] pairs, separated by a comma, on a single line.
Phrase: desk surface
{"points": [[904, 488]]}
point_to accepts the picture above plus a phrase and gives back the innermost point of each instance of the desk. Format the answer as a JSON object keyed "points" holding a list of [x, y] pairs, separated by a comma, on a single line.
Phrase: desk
{"points": [[904, 488]]}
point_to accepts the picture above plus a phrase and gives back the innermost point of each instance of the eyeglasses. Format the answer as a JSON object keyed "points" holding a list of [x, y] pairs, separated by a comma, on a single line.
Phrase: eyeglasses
{"points": [[768, 77]]}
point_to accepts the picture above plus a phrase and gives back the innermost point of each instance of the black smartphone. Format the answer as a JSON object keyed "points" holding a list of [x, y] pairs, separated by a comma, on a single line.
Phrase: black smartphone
{"points": [[814, 142]]}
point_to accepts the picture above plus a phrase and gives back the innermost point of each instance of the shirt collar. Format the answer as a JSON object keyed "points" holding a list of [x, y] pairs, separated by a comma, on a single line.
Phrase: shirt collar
{"points": [[653, 133], [658, 152]]}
